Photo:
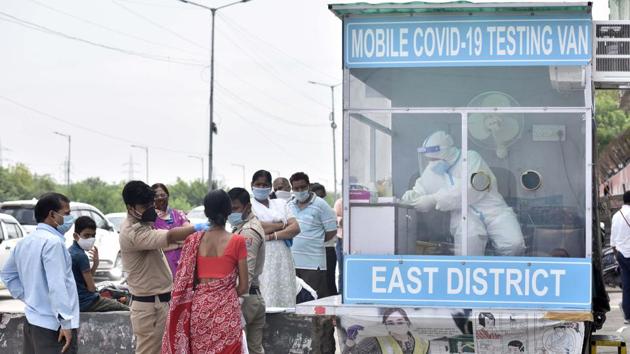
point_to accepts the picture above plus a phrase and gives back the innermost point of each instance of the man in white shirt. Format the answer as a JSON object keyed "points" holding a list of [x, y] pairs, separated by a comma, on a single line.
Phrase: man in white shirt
{"points": [[620, 242]]}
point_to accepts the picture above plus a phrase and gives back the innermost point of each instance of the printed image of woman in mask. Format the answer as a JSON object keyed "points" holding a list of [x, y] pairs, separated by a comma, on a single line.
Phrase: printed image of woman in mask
{"points": [[439, 188], [400, 339]]}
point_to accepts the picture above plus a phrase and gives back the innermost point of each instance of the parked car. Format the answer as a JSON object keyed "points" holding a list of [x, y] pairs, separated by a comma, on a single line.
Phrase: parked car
{"points": [[11, 232], [116, 219], [110, 264], [197, 215]]}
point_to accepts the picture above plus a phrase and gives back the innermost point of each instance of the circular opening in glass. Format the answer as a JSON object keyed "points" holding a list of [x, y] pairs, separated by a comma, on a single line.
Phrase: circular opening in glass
{"points": [[480, 181], [531, 180]]}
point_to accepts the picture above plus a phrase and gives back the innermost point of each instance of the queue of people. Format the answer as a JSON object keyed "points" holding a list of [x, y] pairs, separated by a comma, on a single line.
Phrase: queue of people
{"points": [[195, 288]]}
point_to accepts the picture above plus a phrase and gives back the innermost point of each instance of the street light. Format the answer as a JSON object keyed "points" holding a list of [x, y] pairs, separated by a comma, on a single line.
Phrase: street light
{"points": [[200, 158], [213, 10], [146, 163], [333, 125], [69, 150], [244, 178]]}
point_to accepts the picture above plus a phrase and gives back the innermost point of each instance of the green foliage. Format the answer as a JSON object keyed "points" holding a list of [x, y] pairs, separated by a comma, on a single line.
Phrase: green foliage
{"points": [[17, 183], [611, 120]]}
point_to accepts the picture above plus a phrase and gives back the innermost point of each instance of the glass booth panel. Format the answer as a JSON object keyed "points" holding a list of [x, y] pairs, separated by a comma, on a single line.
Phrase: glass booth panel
{"points": [[531, 86], [526, 191], [394, 169]]}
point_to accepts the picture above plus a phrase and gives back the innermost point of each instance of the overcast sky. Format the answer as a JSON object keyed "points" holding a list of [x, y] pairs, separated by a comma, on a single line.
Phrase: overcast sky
{"points": [[143, 79]]}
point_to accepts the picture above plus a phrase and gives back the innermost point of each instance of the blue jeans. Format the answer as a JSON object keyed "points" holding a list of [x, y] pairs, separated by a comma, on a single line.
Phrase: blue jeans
{"points": [[624, 264], [339, 251]]}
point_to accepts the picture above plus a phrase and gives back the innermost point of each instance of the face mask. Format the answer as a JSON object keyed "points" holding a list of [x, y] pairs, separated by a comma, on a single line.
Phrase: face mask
{"points": [[68, 220], [398, 329], [235, 219], [149, 215], [261, 193], [440, 167], [86, 243], [283, 195], [161, 203], [301, 196]]}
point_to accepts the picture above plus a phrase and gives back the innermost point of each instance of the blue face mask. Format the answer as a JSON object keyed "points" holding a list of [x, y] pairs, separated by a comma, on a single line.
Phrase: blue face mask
{"points": [[440, 167], [68, 220], [301, 196], [261, 193], [235, 219]]}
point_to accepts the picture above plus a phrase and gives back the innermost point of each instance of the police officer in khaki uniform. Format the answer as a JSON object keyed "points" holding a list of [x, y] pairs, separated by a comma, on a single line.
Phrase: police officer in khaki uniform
{"points": [[246, 224], [149, 276]]}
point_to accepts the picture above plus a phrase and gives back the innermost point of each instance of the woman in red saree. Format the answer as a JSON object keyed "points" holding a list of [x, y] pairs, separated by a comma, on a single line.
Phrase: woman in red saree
{"points": [[205, 315]]}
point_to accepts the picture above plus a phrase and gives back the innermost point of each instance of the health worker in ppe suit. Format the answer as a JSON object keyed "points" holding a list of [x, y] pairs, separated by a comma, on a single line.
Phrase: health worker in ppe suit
{"points": [[439, 188]]}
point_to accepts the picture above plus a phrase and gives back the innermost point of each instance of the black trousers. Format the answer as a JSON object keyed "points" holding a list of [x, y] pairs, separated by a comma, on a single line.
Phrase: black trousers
{"points": [[331, 266], [39, 340]]}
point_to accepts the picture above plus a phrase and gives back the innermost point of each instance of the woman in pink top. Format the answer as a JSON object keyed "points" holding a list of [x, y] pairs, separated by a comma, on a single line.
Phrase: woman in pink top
{"points": [[205, 314], [167, 219]]}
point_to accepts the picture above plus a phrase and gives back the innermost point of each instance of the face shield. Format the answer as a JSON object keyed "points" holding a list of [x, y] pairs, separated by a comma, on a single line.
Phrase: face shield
{"points": [[426, 156]]}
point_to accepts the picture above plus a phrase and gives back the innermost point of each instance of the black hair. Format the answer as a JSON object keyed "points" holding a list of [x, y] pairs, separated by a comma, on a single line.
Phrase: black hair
{"points": [[262, 173], [239, 194], [517, 344], [217, 206], [626, 197], [137, 193], [389, 311], [84, 222], [315, 187], [299, 176], [161, 186], [484, 317], [49, 202]]}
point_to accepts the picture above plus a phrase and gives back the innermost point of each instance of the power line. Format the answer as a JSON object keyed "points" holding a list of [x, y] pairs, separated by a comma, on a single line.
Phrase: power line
{"points": [[270, 70], [109, 28], [270, 115], [232, 23], [94, 131], [34, 26], [158, 25]]}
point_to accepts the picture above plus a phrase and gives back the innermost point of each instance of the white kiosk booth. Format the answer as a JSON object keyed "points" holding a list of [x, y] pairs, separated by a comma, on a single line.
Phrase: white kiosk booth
{"points": [[468, 179]]}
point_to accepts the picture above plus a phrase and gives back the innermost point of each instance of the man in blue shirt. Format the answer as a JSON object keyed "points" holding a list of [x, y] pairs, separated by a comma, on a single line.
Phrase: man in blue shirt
{"points": [[318, 223], [89, 300], [39, 272]]}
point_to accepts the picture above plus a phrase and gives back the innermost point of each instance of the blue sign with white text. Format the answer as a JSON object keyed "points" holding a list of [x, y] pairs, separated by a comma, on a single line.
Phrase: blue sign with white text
{"points": [[469, 41], [468, 282]]}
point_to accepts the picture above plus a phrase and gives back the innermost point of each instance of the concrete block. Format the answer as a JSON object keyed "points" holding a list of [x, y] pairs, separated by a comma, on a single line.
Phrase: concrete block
{"points": [[110, 332]]}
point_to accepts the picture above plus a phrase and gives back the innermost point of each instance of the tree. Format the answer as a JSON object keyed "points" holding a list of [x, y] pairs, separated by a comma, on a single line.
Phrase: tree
{"points": [[611, 120], [17, 183]]}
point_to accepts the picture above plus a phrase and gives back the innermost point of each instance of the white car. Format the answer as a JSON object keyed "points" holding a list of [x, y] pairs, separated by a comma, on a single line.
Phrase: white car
{"points": [[197, 215], [110, 264], [11, 232], [116, 219]]}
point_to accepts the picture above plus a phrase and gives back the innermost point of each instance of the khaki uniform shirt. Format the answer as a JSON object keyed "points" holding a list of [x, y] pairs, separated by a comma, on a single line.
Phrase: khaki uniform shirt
{"points": [[143, 259], [254, 235]]}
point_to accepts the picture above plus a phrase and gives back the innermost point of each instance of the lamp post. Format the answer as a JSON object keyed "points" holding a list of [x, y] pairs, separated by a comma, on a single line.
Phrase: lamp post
{"points": [[146, 163], [244, 178], [213, 11], [333, 125], [200, 158], [69, 151]]}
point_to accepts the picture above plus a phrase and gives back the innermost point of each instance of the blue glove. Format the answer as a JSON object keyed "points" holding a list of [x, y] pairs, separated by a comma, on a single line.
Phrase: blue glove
{"points": [[353, 331], [202, 226]]}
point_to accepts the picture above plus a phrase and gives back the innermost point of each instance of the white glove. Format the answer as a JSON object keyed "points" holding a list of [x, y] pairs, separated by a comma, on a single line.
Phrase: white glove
{"points": [[425, 203], [410, 196]]}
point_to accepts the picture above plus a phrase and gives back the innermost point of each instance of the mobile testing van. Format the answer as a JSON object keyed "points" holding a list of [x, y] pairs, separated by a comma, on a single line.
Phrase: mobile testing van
{"points": [[468, 183]]}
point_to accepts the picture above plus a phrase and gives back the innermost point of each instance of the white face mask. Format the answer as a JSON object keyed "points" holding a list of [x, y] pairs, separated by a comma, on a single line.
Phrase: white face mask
{"points": [[283, 195], [86, 243]]}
